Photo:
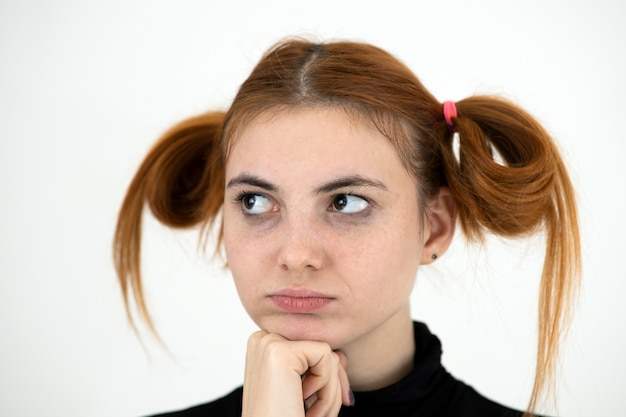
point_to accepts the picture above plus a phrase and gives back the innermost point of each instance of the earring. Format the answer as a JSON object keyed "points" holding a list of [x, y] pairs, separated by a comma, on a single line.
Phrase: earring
{"points": [[434, 256]]}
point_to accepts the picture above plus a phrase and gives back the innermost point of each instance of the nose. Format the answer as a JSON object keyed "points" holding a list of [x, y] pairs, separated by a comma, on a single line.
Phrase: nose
{"points": [[302, 247]]}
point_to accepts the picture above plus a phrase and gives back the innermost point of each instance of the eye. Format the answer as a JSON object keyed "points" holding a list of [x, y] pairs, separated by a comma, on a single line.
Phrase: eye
{"points": [[255, 204], [349, 204]]}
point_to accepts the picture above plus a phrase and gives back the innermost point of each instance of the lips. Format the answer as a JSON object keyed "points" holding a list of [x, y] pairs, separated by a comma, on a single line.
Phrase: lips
{"points": [[300, 300]]}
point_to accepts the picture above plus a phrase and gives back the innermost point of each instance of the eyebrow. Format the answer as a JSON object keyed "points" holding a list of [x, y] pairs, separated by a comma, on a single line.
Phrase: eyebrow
{"points": [[334, 185], [248, 179], [350, 181]]}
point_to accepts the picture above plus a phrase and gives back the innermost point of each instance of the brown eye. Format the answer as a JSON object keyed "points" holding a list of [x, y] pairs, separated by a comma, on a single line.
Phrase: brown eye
{"points": [[349, 204], [255, 204], [340, 202], [248, 202]]}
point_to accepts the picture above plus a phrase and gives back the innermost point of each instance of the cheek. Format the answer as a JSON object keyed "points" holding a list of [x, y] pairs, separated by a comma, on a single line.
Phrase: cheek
{"points": [[237, 243], [239, 256], [241, 271], [235, 248], [388, 254], [248, 260]]}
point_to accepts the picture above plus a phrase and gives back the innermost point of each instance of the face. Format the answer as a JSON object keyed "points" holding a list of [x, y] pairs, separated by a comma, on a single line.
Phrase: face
{"points": [[321, 226]]}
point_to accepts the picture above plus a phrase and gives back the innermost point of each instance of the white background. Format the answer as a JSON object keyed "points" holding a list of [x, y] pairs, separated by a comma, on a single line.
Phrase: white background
{"points": [[85, 89]]}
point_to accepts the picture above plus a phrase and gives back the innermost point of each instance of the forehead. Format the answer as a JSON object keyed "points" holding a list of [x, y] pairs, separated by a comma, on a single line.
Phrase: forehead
{"points": [[298, 138]]}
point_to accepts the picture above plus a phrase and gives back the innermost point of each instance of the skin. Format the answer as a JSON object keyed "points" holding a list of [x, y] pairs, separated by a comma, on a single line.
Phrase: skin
{"points": [[319, 203]]}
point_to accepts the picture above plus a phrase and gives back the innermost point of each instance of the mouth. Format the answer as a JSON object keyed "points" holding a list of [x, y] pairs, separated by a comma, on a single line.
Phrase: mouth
{"points": [[300, 300]]}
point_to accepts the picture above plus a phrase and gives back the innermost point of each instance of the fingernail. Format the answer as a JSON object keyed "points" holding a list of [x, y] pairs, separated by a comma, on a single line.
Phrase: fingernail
{"points": [[352, 401]]}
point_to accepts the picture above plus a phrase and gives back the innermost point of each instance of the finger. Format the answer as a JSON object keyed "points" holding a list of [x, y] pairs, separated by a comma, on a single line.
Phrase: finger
{"points": [[347, 396], [310, 401], [255, 340], [343, 359], [323, 380], [323, 365], [253, 343], [327, 401]]}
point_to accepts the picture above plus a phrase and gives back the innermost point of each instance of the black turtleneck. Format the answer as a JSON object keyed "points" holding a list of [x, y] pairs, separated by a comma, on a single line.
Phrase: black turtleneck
{"points": [[428, 391]]}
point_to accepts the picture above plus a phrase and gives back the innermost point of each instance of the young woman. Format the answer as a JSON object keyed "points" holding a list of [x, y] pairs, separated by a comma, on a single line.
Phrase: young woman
{"points": [[336, 177]]}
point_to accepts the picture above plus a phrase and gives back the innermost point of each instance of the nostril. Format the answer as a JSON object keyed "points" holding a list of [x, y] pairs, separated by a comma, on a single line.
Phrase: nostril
{"points": [[308, 267], [301, 258]]}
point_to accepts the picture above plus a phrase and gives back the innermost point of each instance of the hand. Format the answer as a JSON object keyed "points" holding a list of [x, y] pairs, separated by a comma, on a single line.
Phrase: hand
{"points": [[287, 378]]}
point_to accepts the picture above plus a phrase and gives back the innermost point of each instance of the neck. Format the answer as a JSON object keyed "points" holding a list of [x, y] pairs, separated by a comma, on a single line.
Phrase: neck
{"points": [[384, 355]]}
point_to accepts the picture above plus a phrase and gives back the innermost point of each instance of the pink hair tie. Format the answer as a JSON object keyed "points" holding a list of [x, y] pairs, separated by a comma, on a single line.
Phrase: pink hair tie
{"points": [[449, 113]]}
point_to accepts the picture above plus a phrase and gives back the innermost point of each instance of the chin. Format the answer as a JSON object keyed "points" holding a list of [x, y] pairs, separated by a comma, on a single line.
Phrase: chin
{"points": [[302, 327]]}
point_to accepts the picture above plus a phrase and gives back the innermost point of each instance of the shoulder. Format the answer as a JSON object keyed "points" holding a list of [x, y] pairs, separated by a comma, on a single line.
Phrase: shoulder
{"points": [[467, 402], [226, 406], [445, 394], [470, 403]]}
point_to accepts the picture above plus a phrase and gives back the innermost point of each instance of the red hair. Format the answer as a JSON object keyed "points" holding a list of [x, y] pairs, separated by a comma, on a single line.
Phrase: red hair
{"points": [[182, 177]]}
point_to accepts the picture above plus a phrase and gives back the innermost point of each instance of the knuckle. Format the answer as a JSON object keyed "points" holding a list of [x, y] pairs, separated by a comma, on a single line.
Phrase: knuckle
{"points": [[273, 346], [255, 339], [259, 341]]}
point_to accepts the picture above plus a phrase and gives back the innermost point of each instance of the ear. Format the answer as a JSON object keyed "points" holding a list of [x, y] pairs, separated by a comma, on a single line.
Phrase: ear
{"points": [[440, 224]]}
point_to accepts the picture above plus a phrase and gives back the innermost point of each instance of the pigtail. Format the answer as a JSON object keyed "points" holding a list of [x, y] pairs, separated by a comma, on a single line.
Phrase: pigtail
{"points": [[527, 191], [182, 181]]}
